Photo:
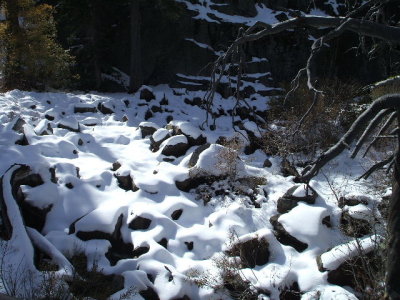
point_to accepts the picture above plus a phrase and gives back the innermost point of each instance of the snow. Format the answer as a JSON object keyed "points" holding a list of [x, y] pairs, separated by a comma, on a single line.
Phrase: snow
{"points": [[87, 193], [160, 134]]}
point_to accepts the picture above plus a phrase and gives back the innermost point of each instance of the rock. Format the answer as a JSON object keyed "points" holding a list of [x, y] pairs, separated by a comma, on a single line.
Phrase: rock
{"points": [[345, 261], [290, 293], [267, 163], [137, 252], [139, 223], [194, 135], [254, 252], [189, 245], [295, 194], [158, 137], [19, 125], [163, 242], [85, 108], [149, 294], [354, 227], [115, 166], [287, 169], [33, 216], [175, 146], [147, 128], [196, 153], [351, 201], [70, 123], [146, 94], [106, 108], [284, 237], [126, 182], [176, 214], [164, 101]]}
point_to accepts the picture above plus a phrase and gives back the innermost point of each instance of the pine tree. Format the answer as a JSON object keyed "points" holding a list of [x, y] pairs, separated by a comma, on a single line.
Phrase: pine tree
{"points": [[30, 57]]}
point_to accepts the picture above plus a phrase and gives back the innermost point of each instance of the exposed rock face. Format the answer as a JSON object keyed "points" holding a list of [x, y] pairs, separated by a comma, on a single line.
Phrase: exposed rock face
{"points": [[191, 40]]}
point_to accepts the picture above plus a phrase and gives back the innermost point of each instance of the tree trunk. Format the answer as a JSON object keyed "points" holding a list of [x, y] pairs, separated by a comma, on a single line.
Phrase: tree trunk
{"points": [[393, 255], [135, 73]]}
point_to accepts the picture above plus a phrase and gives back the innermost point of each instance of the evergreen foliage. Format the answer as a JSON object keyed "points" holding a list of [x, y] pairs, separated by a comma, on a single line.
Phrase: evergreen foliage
{"points": [[30, 56]]}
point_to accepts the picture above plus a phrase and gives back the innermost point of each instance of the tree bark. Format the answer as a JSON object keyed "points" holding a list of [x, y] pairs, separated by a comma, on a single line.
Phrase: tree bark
{"points": [[135, 71], [393, 254]]}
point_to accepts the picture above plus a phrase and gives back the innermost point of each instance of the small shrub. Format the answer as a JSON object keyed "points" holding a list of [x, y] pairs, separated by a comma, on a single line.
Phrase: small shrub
{"points": [[332, 115]]}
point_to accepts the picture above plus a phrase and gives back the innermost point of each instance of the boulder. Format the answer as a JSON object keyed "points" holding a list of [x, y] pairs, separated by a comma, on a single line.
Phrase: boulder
{"points": [[85, 108], [295, 194], [146, 94], [196, 153], [126, 182], [176, 214], [194, 135], [106, 108], [158, 137], [148, 128], [139, 223], [175, 146], [70, 123], [284, 237], [344, 261]]}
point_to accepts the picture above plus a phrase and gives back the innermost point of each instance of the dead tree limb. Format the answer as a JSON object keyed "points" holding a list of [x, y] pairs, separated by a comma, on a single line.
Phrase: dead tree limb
{"points": [[391, 101], [371, 126], [385, 126]]}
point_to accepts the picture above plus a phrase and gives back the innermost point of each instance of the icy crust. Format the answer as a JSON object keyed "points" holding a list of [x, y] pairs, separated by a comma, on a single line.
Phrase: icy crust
{"points": [[181, 234]]}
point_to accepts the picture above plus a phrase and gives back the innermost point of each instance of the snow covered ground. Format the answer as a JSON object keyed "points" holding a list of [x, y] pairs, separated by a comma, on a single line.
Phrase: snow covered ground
{"points": [[110, 190]]}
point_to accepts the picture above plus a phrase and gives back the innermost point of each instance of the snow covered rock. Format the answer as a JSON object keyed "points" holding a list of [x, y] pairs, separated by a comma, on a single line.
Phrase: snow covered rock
{"points": [[353, 200], [126, 182], [106, 107], [85, 108], [196, 154], [194, 135], [284, 237], [210, 163], [329, 293], [295, 194], [148, 128], [158, 137], [34, 215], [44, 128], [344, 261], [146, 94], [139, 223], [355, 221], [175, 146], [69, 123]]}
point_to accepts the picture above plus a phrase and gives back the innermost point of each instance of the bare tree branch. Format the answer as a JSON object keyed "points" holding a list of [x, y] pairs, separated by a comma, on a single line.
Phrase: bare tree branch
{"points": [[388, 122], [371, 126], [382, 103], [376, 166]]}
